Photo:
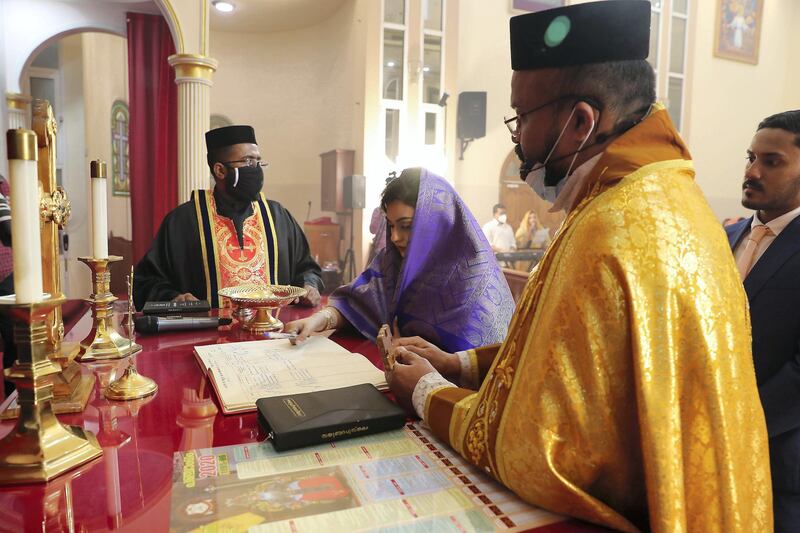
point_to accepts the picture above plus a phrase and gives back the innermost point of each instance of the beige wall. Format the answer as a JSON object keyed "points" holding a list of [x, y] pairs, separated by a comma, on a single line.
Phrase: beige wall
{"points": [[70, 51], [302, 90], [792, 90], [484, 64], [727, 99], [105, 79]]}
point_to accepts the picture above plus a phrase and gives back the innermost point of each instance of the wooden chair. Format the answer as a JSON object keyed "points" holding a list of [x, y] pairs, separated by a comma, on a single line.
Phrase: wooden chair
{"points": [[124, 248], [516, 280]]}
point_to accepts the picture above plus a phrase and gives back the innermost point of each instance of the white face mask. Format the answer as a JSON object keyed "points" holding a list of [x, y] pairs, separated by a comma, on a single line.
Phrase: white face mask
{"points": [[502, 219], [536, 177]]}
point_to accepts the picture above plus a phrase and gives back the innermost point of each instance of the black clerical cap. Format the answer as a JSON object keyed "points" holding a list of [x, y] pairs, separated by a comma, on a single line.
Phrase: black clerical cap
{"points": [[229, 135], [595, 32]]}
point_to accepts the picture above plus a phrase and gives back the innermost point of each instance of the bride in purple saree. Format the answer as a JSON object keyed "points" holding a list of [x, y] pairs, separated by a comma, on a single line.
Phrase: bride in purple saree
{"points": [[436, 276]]}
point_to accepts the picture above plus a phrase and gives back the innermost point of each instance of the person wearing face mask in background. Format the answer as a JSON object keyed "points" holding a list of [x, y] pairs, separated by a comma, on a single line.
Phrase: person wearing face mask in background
{"points": [[231, 235], [624, 393], [499, 232]]}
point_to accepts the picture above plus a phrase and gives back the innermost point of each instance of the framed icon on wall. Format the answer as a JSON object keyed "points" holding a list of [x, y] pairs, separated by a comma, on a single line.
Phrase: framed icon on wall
{"points": [[738, 30]]}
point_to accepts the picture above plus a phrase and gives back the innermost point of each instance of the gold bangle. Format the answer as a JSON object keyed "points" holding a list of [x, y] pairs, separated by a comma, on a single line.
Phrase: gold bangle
{"points": [[330, 321]]}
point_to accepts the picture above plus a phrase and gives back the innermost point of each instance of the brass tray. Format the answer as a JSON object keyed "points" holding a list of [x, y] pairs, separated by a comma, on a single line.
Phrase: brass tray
{"points": [[256, 302]]}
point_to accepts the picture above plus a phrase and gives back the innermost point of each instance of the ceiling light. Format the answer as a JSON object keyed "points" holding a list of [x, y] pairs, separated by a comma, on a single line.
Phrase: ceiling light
{"points": [[223, 7], [426, 69], [390, 64]]}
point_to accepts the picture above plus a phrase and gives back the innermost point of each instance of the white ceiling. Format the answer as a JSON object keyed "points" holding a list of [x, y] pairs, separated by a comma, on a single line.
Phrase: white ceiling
{"points": [[139, 6], [250, 16], [259, 16]]}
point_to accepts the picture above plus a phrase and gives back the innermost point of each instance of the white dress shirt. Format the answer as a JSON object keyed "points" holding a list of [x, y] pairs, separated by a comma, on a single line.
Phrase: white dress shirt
{"points": [[500, 235]]}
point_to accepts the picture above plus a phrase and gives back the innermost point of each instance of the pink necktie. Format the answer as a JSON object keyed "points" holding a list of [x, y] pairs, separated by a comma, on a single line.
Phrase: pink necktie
{"points": [[746, 260]]}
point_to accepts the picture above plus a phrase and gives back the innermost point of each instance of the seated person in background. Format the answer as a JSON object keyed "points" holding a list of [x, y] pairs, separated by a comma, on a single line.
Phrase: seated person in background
{"points": [[531, 233], [435, 278], [499, 232], [229, 236]]}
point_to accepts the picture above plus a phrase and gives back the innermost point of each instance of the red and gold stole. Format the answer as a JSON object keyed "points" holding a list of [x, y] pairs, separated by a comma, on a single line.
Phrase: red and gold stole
{"points": [[227, 264]]}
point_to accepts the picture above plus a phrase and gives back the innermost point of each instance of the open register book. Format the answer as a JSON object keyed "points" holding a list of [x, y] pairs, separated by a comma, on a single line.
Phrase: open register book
{"points": [[243, 372]]}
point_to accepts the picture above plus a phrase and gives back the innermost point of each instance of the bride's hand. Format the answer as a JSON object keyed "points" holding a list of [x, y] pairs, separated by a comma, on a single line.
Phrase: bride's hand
{"points": [[306, 326]]}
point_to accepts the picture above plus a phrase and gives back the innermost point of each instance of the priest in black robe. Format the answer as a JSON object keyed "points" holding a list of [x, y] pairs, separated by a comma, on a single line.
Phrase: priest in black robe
{"points": [[231, 235]]}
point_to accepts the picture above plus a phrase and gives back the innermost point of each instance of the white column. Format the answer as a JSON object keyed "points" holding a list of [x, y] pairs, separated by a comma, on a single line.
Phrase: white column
{"points": [[18, 110], [193, 76]]}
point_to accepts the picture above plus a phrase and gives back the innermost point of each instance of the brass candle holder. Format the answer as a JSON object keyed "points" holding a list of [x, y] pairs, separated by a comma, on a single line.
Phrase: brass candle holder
{"points": [[39, 448], [71, 387], [103, 342], [130, 385]]}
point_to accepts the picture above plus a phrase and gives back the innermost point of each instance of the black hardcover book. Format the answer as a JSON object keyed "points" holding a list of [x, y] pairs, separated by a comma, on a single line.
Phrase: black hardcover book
{"points": [[312, 418]]}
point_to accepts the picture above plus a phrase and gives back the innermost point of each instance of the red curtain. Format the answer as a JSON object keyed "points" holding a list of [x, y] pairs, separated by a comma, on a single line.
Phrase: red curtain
{"points": [[153, 128]]}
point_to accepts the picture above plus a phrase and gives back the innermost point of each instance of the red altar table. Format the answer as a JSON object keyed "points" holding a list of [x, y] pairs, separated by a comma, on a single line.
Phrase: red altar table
{"points": [[129, 487]]}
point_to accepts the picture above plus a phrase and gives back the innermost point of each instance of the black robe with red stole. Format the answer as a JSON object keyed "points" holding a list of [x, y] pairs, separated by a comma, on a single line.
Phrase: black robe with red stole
{"points": [[177, 262]]}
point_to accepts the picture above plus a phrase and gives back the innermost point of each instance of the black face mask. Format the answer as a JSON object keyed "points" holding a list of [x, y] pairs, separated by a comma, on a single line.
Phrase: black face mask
{"points": [[244, 183], [525, 165]]}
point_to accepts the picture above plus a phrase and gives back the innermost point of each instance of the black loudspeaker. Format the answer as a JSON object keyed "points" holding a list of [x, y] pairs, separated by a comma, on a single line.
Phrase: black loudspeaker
{"points": [[354, 194], [471, 123]]}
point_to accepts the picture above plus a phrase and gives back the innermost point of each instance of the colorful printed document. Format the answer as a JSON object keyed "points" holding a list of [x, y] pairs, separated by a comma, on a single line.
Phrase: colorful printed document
{"points": [[402, 480], [243, 372]]}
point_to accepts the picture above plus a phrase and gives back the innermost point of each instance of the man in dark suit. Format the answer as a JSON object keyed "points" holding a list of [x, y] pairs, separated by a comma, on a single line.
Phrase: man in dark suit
{"points": [[767, 251]]}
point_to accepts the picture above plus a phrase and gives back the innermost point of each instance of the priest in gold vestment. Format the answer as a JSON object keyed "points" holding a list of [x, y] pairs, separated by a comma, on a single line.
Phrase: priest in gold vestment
{"points": [[625, 393]]}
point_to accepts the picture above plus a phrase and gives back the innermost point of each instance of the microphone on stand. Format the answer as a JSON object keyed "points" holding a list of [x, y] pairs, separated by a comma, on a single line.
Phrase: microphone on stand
{"points": [[308, 214], [157, 324]]}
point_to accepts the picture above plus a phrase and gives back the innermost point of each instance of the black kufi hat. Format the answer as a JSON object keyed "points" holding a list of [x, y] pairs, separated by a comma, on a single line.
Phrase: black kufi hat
{"points": [[229, 135], [594, 32]]}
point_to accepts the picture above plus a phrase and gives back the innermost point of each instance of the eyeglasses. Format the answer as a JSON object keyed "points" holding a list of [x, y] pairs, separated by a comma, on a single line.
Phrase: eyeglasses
{"points": [[512, 123], [248, 162]]}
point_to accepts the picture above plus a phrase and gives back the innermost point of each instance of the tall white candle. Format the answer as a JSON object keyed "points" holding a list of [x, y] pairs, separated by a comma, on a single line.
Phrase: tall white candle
{"points": [[99, 210], [26, 243]]}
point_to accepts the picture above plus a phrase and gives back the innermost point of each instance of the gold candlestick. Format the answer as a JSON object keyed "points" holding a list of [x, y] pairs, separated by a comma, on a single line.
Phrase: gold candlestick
{"points": [[103, 341], [130, 385], [71, 388], [39, 448]]}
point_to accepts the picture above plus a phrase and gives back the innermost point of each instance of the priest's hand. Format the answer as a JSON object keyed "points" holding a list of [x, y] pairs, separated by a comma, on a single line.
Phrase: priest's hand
{"points": [[312, 298], [408, 370], [447, 364], [185, 297]]}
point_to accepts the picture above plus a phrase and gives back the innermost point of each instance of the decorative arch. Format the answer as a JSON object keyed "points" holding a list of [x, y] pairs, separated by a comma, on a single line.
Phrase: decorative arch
{"points": [[55, 38], [59, 19], [169, 14]]}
